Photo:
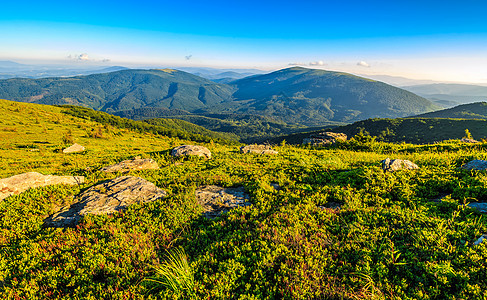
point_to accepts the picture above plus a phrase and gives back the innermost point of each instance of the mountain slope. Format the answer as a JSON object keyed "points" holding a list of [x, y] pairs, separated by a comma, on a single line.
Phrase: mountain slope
{"points": [[120, 90], [476, 110], [295, 96], [310, 97]]}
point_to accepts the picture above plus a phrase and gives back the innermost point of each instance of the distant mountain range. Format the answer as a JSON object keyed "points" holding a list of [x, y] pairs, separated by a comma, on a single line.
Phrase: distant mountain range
{"points": [[450, 94], [294, 96], [10, 69]]}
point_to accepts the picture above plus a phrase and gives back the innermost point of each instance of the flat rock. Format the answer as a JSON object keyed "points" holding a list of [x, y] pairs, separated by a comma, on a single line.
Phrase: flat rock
{"points": [[480, 206], [74, 148], [106, 198], [258, 149], [398, 164], [19, 183], [132, 164], [191, 150], [476, 164], [216, 200]]}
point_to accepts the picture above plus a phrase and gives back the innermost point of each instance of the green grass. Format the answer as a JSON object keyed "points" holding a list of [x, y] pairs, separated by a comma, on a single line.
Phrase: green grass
{"points": [[390, 239], [175, 274]]}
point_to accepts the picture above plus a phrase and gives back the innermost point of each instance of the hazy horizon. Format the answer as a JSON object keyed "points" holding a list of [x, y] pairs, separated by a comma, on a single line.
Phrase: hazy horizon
{"points": [[439, 41]]}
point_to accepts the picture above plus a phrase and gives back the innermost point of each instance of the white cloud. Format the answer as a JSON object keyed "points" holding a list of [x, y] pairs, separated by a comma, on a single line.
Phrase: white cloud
{"points": [[86, 58], [363, 64], [83, 57], [188, 57], [296, 64], [317, 63]]}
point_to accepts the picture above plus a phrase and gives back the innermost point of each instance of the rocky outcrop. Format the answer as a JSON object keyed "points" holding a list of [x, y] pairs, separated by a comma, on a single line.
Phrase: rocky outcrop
{"points": [[191, 150], [324, 138], [106, 198], [216, 200], [476, 164], [132, 164], [22, 182], [74, 148], [398, 164], [258, 149]]}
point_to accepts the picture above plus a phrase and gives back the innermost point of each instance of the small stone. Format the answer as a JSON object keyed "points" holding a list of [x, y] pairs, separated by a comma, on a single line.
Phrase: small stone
{"points": [[276, 186], [398, 164], [191, 150], [476, 164], [480, 206], [258, 149], [480, 240], [106, 198], [132, 164], [19, 183], [74, 148]]}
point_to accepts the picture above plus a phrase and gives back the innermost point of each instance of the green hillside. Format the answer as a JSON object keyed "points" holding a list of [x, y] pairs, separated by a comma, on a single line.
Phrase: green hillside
{"points": [[312, 97], [169, 127], [323, 223], [466, 111], [121, 90], [295, 96], [409, 130]]}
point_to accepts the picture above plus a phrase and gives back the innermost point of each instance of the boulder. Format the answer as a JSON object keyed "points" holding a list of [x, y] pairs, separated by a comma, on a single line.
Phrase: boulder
{"points": [[22, 182], [480, 206], [74, 148], [191, 150], [258, 149], [324, 138], [476, 164], [398, 164], [216, 200], [132, 164], [106, 198]]}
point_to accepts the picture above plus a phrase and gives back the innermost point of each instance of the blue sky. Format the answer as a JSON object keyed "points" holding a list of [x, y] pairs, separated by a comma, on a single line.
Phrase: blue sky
{"points": [[441, 40]]}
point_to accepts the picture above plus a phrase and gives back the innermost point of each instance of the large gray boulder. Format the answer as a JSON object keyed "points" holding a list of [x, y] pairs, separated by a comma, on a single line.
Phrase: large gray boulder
{"points": [[258, 149], [74, 148], [132, 164], [398, 164], [476, 164], [106, 198], [216, 200], [191, 150], [19, 183]]}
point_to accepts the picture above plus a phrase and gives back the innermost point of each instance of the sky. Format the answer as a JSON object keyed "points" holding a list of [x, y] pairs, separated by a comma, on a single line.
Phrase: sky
{"points": [[438, 40]]}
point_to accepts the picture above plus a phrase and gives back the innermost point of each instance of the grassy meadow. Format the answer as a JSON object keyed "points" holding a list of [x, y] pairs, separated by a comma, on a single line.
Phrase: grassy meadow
{"points": [[402, 235]]}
